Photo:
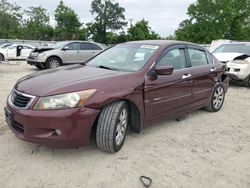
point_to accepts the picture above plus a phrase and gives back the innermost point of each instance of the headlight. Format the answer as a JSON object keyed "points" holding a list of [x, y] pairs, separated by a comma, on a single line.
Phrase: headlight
{"points": [[68, 100], [34, 54], [241, 62]]}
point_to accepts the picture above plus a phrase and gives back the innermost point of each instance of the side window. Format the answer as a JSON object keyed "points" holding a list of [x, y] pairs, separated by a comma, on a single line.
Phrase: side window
{"points": [[175, 58], [89, 46], [197, 57], [210, 58], [74, 46], [27, 47]]}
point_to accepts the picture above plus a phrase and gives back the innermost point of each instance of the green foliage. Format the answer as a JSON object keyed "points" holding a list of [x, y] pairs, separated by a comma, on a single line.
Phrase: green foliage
{"points": [[68, 24], [10, 19], [142, 31], [114, 38], [109, 16], [216, 19], [37, 25]]}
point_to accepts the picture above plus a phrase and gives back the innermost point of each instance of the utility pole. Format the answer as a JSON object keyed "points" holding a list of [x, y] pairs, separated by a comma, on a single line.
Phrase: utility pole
{"points": [[130, 22]]}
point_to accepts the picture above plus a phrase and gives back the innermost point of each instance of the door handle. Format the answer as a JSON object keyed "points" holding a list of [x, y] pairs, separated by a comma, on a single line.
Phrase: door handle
{"points": [[213, 69], [186, 76]]}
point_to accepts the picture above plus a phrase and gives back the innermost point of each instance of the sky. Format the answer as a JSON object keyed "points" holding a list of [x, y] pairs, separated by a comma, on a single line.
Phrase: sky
{"points": [[164, 16]]}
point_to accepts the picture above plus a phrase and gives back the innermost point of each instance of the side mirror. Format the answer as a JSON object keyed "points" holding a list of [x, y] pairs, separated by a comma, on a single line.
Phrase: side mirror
{"points": [[65, 48], [164, 70]]}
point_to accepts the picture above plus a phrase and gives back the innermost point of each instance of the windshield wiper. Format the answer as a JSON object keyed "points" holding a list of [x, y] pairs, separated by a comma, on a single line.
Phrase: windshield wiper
{"points": [[109, 68]]}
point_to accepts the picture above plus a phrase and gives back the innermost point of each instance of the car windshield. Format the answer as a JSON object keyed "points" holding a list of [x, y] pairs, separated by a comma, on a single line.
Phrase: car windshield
{"points": [[124, 57], [233, 48], [5, 45], [58, 45]]}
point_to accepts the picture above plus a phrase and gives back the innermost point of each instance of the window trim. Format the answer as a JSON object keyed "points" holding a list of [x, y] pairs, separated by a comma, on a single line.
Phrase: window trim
{"points": [[73, 43], [199, 49], [170, 48]]}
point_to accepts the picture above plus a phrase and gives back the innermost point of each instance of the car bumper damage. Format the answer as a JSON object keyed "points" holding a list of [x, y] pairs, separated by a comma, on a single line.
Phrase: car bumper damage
{"points": [[56, 128]]}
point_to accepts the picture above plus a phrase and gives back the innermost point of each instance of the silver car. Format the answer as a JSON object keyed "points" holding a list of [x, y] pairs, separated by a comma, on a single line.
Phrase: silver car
{"points": [[62, 53]]}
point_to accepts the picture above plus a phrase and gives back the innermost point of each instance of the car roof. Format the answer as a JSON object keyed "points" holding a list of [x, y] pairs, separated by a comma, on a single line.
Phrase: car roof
{"points": [[161, 42], [240, 43]]}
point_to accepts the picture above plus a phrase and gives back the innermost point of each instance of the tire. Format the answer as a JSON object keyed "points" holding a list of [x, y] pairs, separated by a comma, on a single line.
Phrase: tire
{"points": [[39, 67], [112, 127], [247, 82], [217, 100], [53, 62], [1, 57]]}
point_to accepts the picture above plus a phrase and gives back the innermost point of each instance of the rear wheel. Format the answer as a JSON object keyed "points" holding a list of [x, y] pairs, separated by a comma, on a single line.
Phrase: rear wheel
{"points": [[1, 57], [53, 62], [217, 99], [112, 127]]}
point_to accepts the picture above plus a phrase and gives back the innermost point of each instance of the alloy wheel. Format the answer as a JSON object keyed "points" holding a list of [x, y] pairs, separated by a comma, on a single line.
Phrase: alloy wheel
{"points": [[121, 127], [54, 64], [218, 97]]}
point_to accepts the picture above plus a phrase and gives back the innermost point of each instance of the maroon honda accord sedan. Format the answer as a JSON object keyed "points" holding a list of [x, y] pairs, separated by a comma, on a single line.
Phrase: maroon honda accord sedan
{"points": [[129, 85]]}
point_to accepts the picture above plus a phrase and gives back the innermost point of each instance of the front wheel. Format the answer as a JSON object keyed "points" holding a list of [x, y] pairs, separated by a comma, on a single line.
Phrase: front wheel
{"points": [[53, 62], [217, 99], [112, 127]]}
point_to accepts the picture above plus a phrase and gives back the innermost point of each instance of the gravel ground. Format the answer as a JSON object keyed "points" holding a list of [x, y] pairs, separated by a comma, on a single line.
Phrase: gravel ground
{"points": [[205, 150]]}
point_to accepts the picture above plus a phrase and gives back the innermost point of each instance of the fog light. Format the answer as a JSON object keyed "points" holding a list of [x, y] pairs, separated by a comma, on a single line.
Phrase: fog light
{"points": [[58, 132]]}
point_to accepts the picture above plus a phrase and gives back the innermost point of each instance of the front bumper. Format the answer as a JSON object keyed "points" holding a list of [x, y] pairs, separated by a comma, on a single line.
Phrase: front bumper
{"points": [[40, 126], [238, 71]]}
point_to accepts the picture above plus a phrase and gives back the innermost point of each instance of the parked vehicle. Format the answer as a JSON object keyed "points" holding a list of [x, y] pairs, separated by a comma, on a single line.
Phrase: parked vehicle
{"points": [[239, 69], [236, 56], [227, 52], [131, 84], [61, 53], [15, 51]]}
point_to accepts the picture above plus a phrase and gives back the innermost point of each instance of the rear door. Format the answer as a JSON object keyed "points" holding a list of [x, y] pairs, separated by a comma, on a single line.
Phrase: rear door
{"points": [[25, 51], [169, 95], [204, 73], [88, 50]]}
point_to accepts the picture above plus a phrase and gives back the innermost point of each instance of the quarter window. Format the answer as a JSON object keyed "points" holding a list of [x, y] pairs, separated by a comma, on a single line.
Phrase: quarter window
{"points": [[197, 57], [175, 58]]}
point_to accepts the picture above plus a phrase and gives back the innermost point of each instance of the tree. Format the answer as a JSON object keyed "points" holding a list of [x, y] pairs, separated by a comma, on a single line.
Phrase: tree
{"points": [[10, 19], [109, 17], [68, 25], [37, 25], [142, 31], [209, 20]]}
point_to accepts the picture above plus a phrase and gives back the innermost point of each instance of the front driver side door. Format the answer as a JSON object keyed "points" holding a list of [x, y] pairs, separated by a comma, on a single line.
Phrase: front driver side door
{"points": [[169, 95], [71, 53]]}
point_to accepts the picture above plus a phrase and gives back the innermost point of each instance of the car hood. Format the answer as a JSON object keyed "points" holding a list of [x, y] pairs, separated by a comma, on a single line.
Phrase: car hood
{"points": [[70, 79], [40, 50], [225, 57]]}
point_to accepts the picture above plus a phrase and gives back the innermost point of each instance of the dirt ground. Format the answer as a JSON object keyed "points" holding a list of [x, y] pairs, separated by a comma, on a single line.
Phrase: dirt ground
{"points": [[205, 150]]}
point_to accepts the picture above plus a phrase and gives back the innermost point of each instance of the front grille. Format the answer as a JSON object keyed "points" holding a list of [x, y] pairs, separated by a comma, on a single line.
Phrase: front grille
{"points": [[20, 100]]}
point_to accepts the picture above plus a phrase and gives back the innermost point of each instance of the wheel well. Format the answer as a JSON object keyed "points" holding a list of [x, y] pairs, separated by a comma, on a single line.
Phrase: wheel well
{"points": [[135, 119], [2, 55], [54, 56]]}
